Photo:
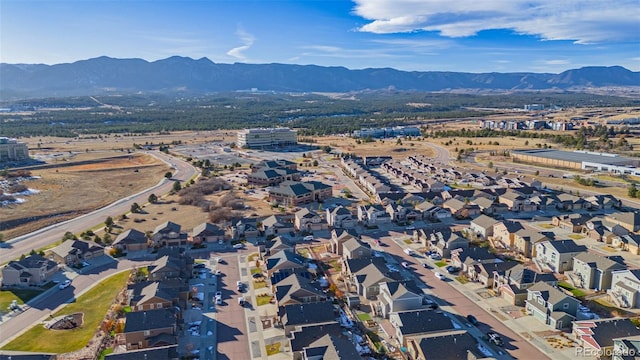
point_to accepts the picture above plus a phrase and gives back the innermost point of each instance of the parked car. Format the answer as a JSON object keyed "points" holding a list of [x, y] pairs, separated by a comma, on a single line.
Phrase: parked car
{"points": [[452, 269], [308, 238], [440, 276], [241, 301], [65, 284], [405, 264], [218, 300], [426, 266], [239, 286], [472, 319], [238, 246], [435, 256]]}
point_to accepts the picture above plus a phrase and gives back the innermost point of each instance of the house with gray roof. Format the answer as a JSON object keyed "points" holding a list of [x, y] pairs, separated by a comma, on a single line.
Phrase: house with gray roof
{"points": [[276, 225], [485, 272], [131, 240], [169, 352], [594, 271], [461, 209], [75, 252], [363, 276], [551, 306], [169, 234], [296, 315], [396, 296], [513, 283], [373, 215], [504, 232], [33, 270], [341, 217], [309, 220], [452, 344], [625, 288], [557, 255], [284, 261], [353, 249], [628, 220], [415, 323], [597, 336], [482, 226], [297, 289], [151, 328], [151, 295], [207, 232], [446, 241], [245, 228], [466, 258], [572, 222], [524, 242], [339, 237], [331, 346]]}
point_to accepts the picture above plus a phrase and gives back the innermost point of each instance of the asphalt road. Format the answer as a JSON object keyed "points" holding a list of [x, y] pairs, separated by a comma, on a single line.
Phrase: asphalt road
{"points": [[40, 308], [14, 248], [449, 296]]}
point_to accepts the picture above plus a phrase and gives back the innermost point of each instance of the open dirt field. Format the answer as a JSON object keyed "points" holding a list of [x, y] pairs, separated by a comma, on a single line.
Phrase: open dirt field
{"points": [[382, 147], [80, 185]]}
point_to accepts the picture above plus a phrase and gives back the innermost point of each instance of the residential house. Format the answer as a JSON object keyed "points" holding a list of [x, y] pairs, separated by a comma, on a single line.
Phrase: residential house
{"points": [[466, 258], [454, 344], [170, 267], [169, 234], [308, 220], [295, 193], [572, 222], [365, 275], [625, 288], [330, 346], [604, 231], [595, 271], [245, 228], [597, 336], [628, 220], [293, 316], [485, 272], [284, 261], [33, 270], [339, 237], [152, 328], [530, 182], [131, 240], [626, 348], [207, 232], [568, 202], [396, 296], [557, 255], [297, 289], [482, 226], [399, 212], [446, 241], [461, 209], [603, 202], [276, 244], [373, 215], [488, 206], [551, 306], [275, 225], [516, 201], [304, 336], [354, 249], [524, 242], [341, 217], [152, 295], [629, 242], [414, 323], [75, 252], [512, 285], [435, 213], [504, 232]]}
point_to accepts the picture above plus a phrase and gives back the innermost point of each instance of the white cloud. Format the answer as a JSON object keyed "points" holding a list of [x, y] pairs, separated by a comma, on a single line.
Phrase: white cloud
{"points": [[556, 62], [247, 40], [582, 21]]}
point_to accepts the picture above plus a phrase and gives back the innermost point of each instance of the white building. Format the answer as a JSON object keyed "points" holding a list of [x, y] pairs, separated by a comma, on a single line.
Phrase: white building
{"points": [[266, 137], [12, 150]]}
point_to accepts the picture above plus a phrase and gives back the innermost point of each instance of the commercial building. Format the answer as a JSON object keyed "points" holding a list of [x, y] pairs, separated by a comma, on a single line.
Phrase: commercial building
{"points": [[583, 160], [266, 138], [12, 150]]}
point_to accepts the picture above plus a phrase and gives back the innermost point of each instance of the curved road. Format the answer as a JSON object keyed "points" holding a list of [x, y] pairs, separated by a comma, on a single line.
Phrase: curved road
{"points": [[14, 248]]}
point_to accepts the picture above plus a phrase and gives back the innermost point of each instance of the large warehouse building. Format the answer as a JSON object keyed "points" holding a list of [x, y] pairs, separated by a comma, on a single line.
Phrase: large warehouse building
{"points": [[12, 150], [266, 138], [582, 160]]}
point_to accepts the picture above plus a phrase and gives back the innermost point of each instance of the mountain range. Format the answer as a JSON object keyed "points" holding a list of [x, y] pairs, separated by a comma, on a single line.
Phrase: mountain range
{"points": [[105, 75]]}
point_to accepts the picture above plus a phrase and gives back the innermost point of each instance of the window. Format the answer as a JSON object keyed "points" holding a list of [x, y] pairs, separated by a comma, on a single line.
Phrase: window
{"points": [[540, 301]]}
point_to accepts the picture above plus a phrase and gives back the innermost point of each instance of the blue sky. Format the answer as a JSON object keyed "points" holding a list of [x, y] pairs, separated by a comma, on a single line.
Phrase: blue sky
{"points": [[422, 35]]}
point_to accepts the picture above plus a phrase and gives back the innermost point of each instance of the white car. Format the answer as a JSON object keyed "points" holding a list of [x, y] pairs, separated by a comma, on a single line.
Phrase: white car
{"points": [[440, 276], [308, 238], [238, 246], [65, 284]]}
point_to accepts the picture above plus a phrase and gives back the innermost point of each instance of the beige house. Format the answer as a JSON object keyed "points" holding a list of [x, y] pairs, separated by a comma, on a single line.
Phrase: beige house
{"points": [[207, 232], [524, 242], [152, 328], [504, 232], [131, 240], [33, 270], [353, 249], [75, 252], [308, 220]]}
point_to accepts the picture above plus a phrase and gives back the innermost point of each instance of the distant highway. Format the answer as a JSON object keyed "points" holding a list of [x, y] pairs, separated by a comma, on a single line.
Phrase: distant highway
{"points": [[14, 248]]}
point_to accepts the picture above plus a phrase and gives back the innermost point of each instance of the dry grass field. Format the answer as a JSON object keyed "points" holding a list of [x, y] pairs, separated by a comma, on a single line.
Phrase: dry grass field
{"points": [[76, 187], [383, 147]]}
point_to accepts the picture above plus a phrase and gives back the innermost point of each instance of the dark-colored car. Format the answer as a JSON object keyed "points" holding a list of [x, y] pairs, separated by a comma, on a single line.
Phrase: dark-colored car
{"points": [[472, 319], [452, 269]]}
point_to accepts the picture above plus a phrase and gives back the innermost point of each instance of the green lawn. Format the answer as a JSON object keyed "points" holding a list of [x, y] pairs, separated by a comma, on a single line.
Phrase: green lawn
{"points": [[263, 299], [94, 304], [462, 280], [407, 241], [364, 317], [304, 253], [256, 271], [576, 292], [22, 295], [575, 236], [441, 263], [259, 284], [546, 226]]}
